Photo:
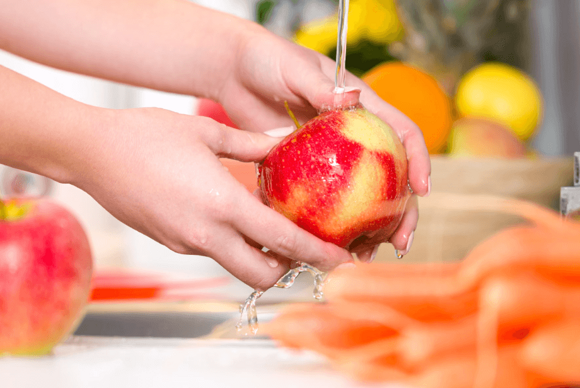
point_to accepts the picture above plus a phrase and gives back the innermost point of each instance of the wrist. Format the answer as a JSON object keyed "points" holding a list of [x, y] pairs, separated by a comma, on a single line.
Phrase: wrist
{"points": [[94, 145]]}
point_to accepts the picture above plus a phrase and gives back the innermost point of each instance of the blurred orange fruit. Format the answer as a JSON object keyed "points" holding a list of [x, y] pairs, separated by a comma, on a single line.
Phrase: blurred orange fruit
{"points": [[417, 95]]}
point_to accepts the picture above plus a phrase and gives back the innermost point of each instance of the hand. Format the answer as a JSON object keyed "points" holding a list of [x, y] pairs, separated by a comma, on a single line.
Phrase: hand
{"points": [[159, 173], [269, 70]]}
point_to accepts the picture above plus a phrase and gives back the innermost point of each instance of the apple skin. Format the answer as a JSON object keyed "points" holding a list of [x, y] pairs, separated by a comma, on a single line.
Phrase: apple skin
{"points": [[213, 110], [342, 177], [478, 137], [45, 278]]}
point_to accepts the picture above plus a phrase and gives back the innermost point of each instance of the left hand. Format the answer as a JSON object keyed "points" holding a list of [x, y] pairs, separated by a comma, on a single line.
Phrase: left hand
{"points": [[269, 70]]}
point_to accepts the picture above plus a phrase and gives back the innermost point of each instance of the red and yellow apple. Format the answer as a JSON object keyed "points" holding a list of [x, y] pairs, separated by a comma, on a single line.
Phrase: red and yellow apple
{"points": [[477, 137], [342, 177], [45, 275]]}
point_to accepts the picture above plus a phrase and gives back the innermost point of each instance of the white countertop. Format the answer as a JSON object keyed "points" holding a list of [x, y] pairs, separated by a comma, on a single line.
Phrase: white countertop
{"points": [[87, 362]]}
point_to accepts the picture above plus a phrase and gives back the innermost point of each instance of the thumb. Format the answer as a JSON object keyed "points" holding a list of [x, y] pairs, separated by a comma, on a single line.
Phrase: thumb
{"points": [[243, 146], [319, 90]]}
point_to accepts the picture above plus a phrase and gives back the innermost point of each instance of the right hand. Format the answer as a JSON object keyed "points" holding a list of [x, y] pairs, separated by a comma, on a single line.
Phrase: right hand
{"points": [[159, 173]]}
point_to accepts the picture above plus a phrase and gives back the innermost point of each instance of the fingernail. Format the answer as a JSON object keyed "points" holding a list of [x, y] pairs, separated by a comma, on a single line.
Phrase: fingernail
{"points": [[374, 254], [428, 186], [409, 243], [346, 266], [280, 132], [271, 261], [348, 89]]}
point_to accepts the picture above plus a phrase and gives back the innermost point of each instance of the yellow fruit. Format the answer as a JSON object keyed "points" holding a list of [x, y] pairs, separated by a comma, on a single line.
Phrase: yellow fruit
{"points": [[382, 22], [318, 35], [375, 20], [357, 21], [501, 93]]}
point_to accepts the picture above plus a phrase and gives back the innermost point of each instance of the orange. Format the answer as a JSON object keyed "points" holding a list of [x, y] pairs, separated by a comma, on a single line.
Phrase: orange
{"points": [[418, 96]]}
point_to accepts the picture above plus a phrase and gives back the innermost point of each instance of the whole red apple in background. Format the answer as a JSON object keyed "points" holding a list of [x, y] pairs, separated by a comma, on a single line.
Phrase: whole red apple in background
{"points": [[477, 137], [45, 275], [213, 110], [342, 177]]}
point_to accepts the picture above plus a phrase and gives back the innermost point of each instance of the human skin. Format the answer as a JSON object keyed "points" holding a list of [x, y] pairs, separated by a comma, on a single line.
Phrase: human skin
{"points": [[158, 171]]}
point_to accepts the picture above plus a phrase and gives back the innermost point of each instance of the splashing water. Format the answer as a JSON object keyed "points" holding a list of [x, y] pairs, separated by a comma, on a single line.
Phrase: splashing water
{"points": [[288, 280], [248, 308]]}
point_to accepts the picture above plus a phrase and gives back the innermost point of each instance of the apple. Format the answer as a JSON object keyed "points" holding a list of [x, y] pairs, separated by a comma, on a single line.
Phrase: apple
{"points": [[213, 110], [478, 137], [45, 275], [342, 177]]}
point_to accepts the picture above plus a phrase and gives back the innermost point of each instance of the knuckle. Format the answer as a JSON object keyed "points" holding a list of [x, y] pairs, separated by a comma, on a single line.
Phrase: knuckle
{"points": [[212, 131], [221, 140], [221, 205], [200, 241], [287, 245]]}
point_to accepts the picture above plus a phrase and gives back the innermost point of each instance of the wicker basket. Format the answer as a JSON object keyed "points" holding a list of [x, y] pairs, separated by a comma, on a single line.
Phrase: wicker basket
{"points": [[444, 235]]}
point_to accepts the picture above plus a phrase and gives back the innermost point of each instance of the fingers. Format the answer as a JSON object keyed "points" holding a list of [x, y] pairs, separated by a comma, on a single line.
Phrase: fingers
{"points": [[275, 232], [319, 89], [368, 255], [240, 145], [258, 269], [402, 239]]}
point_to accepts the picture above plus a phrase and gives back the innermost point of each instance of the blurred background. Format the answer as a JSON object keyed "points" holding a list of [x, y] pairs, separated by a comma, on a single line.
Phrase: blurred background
{"points": [[493, 84]]}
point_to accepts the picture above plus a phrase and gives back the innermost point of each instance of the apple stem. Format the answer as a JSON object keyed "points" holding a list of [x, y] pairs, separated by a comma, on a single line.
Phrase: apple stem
{"points": [[291, 114]]}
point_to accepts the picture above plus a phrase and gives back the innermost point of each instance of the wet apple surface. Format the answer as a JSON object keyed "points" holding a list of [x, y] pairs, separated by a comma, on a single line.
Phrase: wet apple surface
{"points": [[342, 177]]}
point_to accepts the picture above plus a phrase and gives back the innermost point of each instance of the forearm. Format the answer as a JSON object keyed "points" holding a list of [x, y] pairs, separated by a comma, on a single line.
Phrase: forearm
{"points": [[170, 45], [43, 131]]}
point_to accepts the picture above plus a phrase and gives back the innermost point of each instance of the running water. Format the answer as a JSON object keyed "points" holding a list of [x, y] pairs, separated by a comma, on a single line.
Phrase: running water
{"points": [[248, 308], [340, 75]]}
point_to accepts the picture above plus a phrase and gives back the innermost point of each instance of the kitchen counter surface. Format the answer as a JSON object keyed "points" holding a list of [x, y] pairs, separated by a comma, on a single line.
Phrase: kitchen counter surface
{"points": [[119, 362]]}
